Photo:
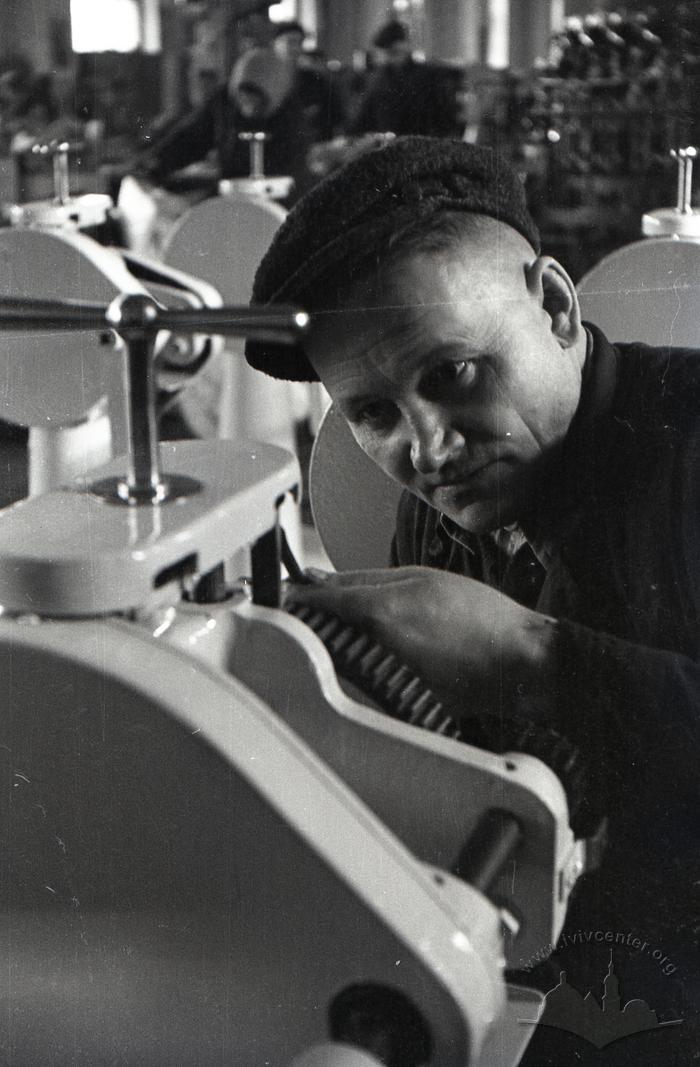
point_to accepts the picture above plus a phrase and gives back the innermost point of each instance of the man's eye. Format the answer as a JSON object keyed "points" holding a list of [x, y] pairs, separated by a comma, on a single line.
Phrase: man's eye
{"points": [[375, 413], [452, 372]]}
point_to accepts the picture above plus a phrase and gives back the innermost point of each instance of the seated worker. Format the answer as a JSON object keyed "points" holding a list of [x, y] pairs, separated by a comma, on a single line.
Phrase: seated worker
{"points": [[318, 90], [260, 95], [546, 561], [402, 95], [27, 105]]}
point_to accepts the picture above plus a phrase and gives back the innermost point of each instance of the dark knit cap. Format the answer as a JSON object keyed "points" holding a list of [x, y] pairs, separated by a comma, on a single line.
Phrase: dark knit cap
{"points": [[349, 218], [391, 33]]}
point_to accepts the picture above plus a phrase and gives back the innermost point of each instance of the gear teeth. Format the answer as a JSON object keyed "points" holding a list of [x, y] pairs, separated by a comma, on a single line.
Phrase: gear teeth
{"points": [[317, 620], [395, 683], [300, 611], [405, 696], [328, 629], [370, 666], [384, 668], [353, 652], [448, 727], [370, 658], [432, 718], [423, 705], [341, 641]]}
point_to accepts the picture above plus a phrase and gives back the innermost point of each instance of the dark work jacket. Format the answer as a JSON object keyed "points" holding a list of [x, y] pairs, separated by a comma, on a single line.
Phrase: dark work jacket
{"points": [[322, 101], [621, 516], [413, 99]]}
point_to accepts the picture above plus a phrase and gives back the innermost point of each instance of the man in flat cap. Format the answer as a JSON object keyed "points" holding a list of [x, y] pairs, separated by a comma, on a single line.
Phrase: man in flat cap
{"points": [[547, 551]]}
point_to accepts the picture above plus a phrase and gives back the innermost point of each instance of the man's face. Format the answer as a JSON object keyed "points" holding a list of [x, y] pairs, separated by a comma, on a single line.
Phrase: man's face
{"points": [[251, 102], [456, 382]]}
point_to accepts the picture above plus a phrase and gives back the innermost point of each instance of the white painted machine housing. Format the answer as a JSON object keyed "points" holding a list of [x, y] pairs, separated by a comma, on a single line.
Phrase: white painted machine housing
{"points": [[202, 795]]}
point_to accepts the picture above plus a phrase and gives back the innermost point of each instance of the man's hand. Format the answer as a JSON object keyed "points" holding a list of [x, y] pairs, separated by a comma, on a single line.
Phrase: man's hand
{"points": [[467, 640]]}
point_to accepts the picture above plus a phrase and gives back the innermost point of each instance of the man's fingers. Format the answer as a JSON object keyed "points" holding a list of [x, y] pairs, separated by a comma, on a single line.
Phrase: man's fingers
{"points": [[328, 593], [370, 578], [353, 604]]}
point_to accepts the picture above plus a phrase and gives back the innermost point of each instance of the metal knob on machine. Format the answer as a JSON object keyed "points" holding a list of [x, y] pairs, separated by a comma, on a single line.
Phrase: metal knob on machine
{"points": [[258, 183], [682, 220], [63, 211]]}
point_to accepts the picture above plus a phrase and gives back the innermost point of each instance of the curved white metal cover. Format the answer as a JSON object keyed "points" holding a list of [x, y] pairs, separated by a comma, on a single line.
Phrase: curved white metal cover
{"points": [[647, 291], [222, 241], [55, 379], [187, 882]]}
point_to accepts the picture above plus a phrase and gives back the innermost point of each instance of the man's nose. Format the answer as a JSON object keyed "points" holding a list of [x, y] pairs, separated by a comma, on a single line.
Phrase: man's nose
{"points": [[434, 440]]}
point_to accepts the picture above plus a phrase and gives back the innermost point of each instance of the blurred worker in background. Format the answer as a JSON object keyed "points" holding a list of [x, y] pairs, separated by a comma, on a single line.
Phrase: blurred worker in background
{"points": [[261, 95], [403, 95], [27, 105], [320, 94]]}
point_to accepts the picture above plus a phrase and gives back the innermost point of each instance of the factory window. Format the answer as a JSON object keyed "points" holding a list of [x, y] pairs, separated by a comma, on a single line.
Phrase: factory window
{"points": [[285, 11], [105, 25], [498, 34]]}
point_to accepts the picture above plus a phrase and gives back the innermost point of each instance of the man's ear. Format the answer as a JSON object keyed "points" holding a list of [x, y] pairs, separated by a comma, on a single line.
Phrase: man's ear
{"points": [[553, 288]]}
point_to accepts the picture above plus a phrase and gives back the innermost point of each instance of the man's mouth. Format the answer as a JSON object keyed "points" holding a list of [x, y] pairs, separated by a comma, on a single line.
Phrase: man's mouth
{"points": [[471, 482], [466, 476]]}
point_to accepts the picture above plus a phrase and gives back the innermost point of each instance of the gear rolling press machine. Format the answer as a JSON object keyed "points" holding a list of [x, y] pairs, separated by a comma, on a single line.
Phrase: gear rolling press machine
{"points": [[234, 833]]}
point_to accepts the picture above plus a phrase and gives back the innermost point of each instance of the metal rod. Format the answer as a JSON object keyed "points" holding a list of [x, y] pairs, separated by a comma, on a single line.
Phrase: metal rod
{"points": [[490, 846], [680, 186], [265, 563], [132, 315], [256, 149], [60, 172], [684, 157], [31, 315], [257, 159], [278, 323], [144, 480], [690, 154]]}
